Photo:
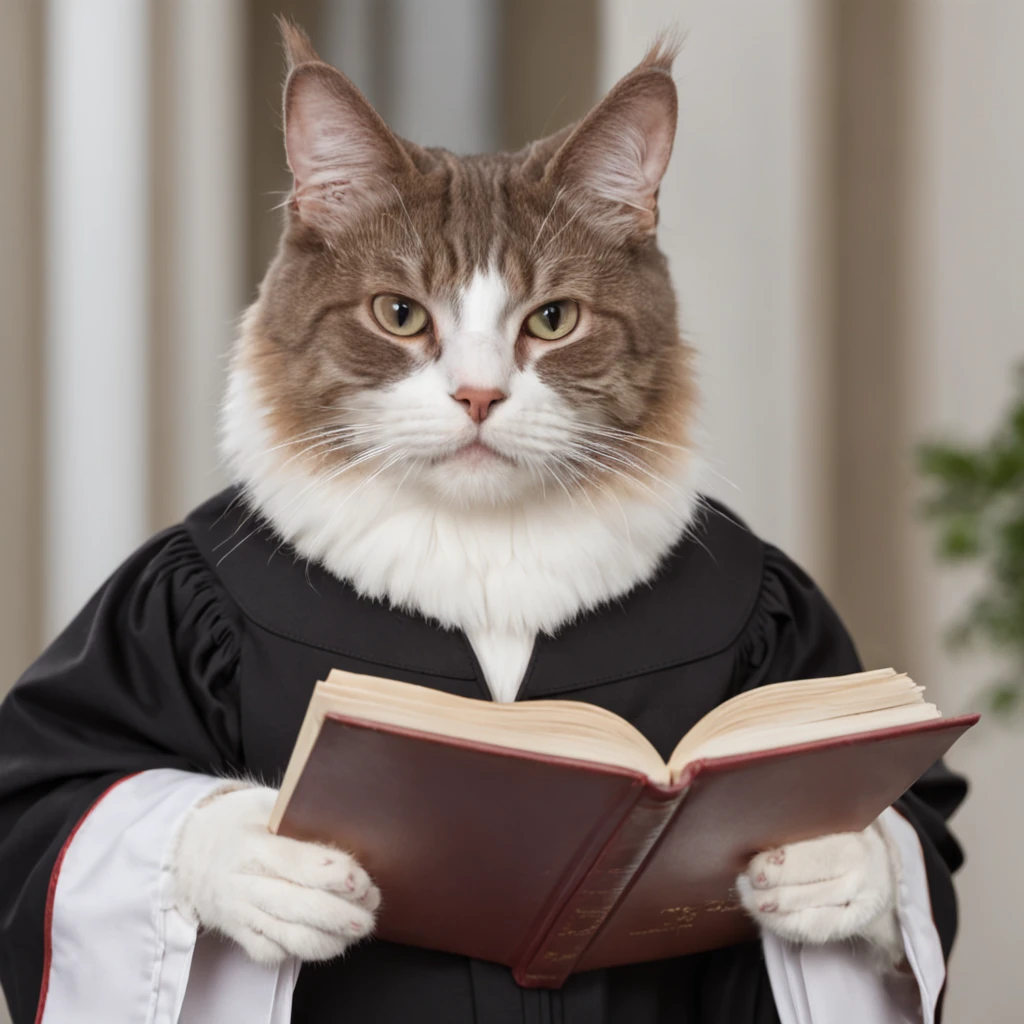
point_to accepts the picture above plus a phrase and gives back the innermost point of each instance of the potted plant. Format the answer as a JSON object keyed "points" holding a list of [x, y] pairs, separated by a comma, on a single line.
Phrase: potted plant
{"points": [[976, 500]]}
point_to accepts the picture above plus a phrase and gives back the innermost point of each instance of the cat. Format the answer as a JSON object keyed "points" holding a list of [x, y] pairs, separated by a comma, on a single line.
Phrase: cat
{"points": [[462, 388]]}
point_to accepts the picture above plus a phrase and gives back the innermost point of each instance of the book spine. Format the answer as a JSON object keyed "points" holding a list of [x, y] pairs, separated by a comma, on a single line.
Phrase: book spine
{"points": [[554, 957]]}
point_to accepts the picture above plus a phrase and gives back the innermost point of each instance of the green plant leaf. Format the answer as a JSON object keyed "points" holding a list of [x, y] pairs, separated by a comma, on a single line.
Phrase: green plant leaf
{"points": [[976, 500], [953, 465], [960, 538], [1005, 698]]}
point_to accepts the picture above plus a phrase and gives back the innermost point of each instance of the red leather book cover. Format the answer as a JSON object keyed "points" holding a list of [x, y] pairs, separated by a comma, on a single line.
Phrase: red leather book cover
{"points": [[551, 865]]}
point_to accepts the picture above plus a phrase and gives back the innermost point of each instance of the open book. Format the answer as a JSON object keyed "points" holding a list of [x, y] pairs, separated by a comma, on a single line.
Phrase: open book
{"points": [[550, 836]]}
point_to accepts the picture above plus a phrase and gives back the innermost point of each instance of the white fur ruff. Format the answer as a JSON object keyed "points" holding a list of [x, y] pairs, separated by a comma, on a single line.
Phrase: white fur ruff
{"points": [[500, 573]]}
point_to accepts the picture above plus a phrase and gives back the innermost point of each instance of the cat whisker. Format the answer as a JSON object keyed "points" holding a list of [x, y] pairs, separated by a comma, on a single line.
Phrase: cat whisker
{"points": [[245, 519], [299, 438], [328, 478], [286, 198], [327, 446], [622, 458], [588, 459], [625, 519], [348, 446], [547, 415], [405, 210], [337, 430], [558, 479], [322, 480], [388, 462], [547, 217], [721, 476], [640, 440], [629, 436], [543, 484], [317, 482], [704, 504], [405, 476], [579, 479], [630, 442], [555, 236]]}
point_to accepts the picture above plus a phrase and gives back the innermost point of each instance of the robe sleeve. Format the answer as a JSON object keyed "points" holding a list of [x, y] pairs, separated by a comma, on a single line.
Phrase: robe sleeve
{"points": [[794, 633], [144, 680]]}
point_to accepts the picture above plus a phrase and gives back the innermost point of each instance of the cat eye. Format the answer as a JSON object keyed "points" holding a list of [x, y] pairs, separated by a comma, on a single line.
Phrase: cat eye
{"points": [[553, 320], [399, 315]]}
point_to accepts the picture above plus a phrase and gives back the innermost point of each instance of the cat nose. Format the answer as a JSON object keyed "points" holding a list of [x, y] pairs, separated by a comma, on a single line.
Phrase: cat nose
{"points": [[478, 401]]}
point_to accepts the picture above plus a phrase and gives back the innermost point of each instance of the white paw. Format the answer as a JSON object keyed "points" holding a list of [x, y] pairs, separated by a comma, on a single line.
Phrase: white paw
{"points": [[275, 897], [824, 890]]}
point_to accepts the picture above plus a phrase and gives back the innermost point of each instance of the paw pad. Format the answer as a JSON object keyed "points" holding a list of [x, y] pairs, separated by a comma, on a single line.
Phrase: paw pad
{"points": [[768, 908], [777, 857], [350, 883], [762, 878]]}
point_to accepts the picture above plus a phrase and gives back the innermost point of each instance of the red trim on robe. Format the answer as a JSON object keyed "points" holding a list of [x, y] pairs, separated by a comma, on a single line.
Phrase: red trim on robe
{"points": [[51, 894]]}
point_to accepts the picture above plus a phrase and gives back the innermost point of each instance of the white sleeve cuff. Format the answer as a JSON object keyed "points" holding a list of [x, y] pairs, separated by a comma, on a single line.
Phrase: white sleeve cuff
{"points": [[839, 984], [116, 948], [227, 987]]}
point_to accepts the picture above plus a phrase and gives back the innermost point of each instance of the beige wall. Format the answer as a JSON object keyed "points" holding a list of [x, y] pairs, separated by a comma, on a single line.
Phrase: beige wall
{"points": [[20, 354], [868, 134], [966, 327], [20, 350]]}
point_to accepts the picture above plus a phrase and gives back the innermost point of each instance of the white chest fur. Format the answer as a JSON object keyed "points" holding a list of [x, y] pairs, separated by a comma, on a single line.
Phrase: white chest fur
{"points": [[501, 574], [503, 658]]}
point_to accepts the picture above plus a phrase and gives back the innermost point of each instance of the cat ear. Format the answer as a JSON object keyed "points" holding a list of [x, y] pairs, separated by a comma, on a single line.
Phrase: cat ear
{"points": [[341, 153], [618, 153]]}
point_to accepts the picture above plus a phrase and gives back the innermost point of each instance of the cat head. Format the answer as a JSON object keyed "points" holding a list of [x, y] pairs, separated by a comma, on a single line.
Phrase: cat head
{"points": [[484, 330]]}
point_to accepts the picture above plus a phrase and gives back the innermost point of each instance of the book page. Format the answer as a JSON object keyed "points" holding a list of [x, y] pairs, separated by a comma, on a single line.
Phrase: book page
{"points": [[785, 714], [555, 728]]}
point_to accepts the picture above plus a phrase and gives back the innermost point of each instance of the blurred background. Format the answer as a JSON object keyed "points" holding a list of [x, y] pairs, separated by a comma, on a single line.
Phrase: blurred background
{"points": [[844, 216]]}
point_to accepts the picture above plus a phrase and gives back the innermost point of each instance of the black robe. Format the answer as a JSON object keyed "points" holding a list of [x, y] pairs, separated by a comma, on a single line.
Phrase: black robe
{"points": [[200, 653]]}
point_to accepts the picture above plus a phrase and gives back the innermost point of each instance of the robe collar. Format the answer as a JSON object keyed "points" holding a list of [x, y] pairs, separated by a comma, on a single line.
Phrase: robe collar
{"points": [[695, 606]]}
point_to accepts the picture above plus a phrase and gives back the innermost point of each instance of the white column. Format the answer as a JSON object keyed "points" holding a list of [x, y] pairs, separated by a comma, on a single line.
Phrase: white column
{"points": [[97, 210], [445, 74], [347, 42], [206, 236], [741, 224], [432, 67]]}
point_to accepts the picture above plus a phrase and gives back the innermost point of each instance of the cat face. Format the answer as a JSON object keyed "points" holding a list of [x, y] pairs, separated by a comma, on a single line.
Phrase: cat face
{"points": [[486, 328]]}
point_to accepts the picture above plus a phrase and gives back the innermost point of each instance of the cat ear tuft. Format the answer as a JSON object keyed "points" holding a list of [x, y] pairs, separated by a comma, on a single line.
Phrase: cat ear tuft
{"points": [[341, 153], [617, 155], [297, 47], [662, 53]]}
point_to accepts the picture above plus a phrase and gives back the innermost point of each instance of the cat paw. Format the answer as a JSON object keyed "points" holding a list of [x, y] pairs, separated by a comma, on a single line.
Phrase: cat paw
{"points": [[825, 890], [275, 897]]}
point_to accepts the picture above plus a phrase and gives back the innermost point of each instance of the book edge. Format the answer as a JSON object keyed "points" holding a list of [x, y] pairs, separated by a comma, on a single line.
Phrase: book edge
{"points": [[693, 768], [302, 749]]}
